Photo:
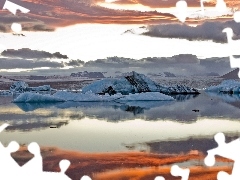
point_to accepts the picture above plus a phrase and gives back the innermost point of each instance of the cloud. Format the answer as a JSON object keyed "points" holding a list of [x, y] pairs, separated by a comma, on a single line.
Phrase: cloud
{"points": [[28, 23], [26, 53], [206, 31], [38, 27], [69, 12], [75, 63], [159, 4], [3, 28], [185, 64], [46, 15], [29, 59], [27, 64]]}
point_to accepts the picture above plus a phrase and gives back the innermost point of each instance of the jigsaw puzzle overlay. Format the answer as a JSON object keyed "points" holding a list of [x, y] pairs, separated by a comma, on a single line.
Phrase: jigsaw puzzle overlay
{"points": [[182, 14], [33, 169]]}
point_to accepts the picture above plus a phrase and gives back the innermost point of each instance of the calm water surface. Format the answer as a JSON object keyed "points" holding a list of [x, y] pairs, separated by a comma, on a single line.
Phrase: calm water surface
{"points": [[169, 127]]}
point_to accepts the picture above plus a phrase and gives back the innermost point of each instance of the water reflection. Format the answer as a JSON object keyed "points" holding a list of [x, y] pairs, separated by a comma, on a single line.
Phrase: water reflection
{"points": [[31, 126], [231, 99], [155, 126], [180, 110], [182, 97], [33, 106], [178, 146]]}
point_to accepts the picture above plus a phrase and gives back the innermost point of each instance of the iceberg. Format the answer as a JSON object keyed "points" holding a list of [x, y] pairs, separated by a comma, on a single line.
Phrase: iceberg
{"points": [[29, 97], [61, 96], [40, 88], [134, 83], [86, 97], [227, 86], [21, 86], [120, 85], [5, 93]]}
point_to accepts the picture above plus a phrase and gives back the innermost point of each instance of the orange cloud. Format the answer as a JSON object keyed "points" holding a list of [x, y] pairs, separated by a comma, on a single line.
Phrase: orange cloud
{"points": [[45, 15]]}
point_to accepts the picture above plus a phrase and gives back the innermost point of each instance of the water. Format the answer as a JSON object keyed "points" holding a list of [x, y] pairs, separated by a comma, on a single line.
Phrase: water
{"points": [[154, 126]]}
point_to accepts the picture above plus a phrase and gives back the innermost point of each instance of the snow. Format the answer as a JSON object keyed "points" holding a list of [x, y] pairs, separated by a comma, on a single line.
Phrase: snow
{"points": [[227, 86], [141, 78], [135, 83], [19, 86], [147, 96], [120, 85], [29, 97], [85, 97], [5, 93], [40, 88]]}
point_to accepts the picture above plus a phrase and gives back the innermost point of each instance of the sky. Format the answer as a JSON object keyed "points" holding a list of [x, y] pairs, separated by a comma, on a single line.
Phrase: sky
{"points": [[59, 32]]}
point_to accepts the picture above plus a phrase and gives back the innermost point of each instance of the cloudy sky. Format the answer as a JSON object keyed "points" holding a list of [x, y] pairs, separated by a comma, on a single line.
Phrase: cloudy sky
{"points": [[63, 34]]}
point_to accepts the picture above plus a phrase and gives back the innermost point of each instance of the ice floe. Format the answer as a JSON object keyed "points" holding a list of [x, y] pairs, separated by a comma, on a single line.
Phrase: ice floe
{"points": [[62, 96], [29, 97], [227, 86]]}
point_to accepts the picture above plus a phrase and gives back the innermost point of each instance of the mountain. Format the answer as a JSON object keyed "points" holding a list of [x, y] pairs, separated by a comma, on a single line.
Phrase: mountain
{"points": [[231, 75], [88, 74]]}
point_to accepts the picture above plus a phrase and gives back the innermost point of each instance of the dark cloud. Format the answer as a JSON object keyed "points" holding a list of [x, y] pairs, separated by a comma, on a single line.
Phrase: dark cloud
{"points": [[75, 63], [28, 24], [205, 31], [38, 27], [185, 64], [31, 54], [3, 28], [27, 64]]}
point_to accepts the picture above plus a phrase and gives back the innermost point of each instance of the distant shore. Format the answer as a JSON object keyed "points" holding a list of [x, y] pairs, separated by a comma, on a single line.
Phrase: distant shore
{"points": [[123, 165], [56, 84], [72, 83]]}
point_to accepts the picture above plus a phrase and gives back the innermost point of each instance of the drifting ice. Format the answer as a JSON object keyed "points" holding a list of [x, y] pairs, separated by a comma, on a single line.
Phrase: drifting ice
{"points": [[29, 97], [227, 86], [62, 96]]}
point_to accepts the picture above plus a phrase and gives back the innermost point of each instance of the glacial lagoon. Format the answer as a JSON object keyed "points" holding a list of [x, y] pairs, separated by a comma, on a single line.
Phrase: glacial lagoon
{"points": [[189, 123]]}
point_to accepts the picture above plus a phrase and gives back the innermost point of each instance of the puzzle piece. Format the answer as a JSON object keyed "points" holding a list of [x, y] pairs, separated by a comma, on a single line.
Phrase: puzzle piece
{"points": [[85, 178], [36, 161], [2, 48], [234, 62], [33, 169], [181, 10], [3, 126], [159, 178], [12, 7], [227, 150], [177, 171], [5, 156], [220, 6], [236, 16]]}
